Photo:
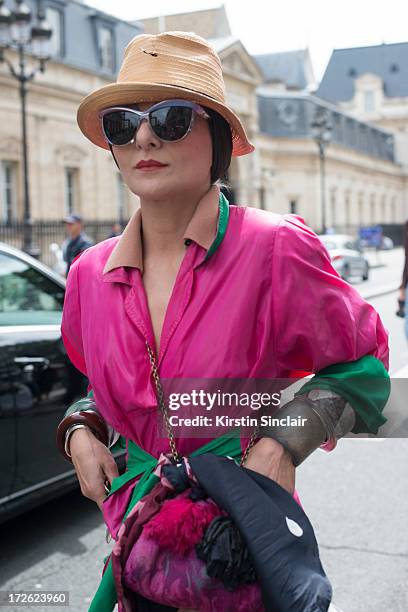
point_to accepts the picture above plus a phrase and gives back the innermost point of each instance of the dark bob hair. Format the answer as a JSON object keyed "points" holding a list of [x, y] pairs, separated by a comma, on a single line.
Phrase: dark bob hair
{"points": [[221, 137]]}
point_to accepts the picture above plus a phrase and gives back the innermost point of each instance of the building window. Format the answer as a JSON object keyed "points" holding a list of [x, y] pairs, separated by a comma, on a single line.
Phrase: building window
{"points": [[369, 101], [121, 199], [55, 20], [393, 210], [333, 206], [373, 216], [71, 190], [384, 216], [338, 127], [351, 138], [362, 137], [8, 191], [347, 209], [360, 213], [106, 48], [293, 207]]}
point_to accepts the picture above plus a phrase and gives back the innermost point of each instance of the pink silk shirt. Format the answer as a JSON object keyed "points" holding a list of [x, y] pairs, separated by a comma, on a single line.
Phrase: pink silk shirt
{"points": [[265, 304]]}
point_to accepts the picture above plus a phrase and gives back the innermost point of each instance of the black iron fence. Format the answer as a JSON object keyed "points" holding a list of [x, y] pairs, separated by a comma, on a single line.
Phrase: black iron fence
{"points": [[45, 233], [395, 231]]}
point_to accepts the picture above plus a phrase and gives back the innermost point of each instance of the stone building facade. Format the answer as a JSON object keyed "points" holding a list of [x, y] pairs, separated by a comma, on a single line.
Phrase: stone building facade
{"points": [[371, 84], [66, 172], [366, 179], [364, 184], [366, 176]]}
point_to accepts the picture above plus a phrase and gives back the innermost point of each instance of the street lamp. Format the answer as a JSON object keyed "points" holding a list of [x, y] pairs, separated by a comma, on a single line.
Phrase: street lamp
{"points": [[322, 129], [17, 33]]}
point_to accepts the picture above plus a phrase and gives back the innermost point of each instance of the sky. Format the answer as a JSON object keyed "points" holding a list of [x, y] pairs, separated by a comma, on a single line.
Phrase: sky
{"points": [[264, 26]]}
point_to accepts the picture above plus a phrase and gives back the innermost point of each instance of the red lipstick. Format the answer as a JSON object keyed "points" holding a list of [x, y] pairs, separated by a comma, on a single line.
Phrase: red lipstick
{"points": [[149, 163]]}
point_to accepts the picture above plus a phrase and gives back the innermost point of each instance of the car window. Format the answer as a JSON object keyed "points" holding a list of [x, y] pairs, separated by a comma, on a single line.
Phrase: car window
{"points": [[339, 242], [329, 244], [27, 297], [351, 244]]}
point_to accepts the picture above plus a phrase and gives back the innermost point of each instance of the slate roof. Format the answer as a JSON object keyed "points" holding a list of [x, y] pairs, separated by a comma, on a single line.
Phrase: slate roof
{"points": [[388, 61], [291, 114], [289, 67]]}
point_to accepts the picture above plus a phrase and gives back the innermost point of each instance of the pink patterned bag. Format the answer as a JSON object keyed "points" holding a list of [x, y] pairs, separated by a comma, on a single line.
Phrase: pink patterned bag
{"points": [[181, 581], [155, 555]]}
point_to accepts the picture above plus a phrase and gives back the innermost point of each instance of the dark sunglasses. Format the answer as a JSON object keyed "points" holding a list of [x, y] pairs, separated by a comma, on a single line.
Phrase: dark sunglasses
{"points": [[170, 120]]}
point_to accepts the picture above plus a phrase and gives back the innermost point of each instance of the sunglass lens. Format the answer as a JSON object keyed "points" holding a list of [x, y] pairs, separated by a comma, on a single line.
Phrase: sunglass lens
{"points": [[120, 126], [171, 123]]}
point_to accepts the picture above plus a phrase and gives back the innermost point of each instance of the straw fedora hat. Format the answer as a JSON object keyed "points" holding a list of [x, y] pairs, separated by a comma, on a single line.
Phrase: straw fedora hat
{"points": [[159, 67]]}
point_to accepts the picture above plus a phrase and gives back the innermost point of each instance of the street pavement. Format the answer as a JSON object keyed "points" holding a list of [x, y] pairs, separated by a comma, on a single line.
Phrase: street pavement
{"points": [[356, 500], [381, 290], [355, 497], [385, 273]]}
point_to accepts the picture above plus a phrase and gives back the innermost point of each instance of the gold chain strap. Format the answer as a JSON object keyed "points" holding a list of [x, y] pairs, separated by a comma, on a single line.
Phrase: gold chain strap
{"points": [[250, 444], [162, 404], [163, 410]]}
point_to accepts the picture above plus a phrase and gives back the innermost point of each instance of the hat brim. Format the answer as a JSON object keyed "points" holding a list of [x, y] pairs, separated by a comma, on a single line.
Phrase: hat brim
{"points": [[131, 93]]}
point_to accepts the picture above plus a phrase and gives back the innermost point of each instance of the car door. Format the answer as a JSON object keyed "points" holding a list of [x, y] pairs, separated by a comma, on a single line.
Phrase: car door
{"points": [[8, 462], [39, 382], [354, 257]]}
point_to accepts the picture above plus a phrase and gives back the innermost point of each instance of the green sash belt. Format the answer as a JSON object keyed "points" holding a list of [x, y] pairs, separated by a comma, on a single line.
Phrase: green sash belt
{"points": [[142, 463]]}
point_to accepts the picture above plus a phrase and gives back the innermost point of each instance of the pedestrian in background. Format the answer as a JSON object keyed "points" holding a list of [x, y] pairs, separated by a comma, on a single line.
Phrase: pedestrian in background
{"points": [[401, 312], [77, 242], [116, 230]]}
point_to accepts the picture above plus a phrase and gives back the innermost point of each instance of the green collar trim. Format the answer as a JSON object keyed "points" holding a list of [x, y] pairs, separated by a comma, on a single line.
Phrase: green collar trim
{"points": [[222, 225]]}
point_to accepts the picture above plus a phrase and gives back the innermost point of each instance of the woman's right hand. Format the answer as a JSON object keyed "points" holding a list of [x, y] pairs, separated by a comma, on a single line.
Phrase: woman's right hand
{"points": [[94, 464]]}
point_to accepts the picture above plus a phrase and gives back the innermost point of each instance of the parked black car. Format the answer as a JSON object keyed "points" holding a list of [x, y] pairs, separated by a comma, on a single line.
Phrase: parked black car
{"points": [[37, 383]]}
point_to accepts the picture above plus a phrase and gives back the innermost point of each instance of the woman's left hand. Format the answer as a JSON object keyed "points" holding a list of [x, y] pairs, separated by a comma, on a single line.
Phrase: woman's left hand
{"points": [[270, 458]]}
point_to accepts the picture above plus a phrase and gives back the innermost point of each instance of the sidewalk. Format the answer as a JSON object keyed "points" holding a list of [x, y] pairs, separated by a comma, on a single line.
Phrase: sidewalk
{"points": [[369, 294], [392, 259], [379, 259], [401, 373]]}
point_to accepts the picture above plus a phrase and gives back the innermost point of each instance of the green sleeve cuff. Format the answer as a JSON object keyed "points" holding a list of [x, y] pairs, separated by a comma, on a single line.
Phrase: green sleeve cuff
{"points": [[120, 445], [364, 383], [82, 404]]}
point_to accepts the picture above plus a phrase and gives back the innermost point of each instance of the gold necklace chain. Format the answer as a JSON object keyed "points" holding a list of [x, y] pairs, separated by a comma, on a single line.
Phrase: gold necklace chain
{"points": [[163, 409]]}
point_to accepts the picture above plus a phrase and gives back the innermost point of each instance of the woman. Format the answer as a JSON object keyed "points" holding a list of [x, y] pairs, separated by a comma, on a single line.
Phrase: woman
{"points": [[401, 312], [200, 288]]}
